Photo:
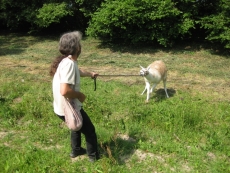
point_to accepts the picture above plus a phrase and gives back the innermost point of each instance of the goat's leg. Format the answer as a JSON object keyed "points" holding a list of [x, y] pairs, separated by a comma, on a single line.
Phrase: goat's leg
{"points": [[153, 87], [164, 81], [148, 90], [144, 89]]}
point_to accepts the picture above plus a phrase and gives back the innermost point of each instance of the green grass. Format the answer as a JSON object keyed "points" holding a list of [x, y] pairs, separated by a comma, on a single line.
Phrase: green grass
{"points": [[189, 132]]}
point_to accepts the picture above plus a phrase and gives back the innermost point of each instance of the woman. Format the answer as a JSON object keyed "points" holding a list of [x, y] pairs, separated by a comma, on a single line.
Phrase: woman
{"points": [[66, 83]]}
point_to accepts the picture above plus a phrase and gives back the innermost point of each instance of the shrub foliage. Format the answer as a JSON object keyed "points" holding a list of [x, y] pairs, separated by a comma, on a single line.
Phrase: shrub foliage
{"points": [[217, 24], [131, 21], [135, 21]]}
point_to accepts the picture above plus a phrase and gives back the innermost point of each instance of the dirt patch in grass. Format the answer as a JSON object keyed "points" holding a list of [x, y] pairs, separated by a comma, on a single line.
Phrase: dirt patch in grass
{"points": [[3, 134], [17, 100]]}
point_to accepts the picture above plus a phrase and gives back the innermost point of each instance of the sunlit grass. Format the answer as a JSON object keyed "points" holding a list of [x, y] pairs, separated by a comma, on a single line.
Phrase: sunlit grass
{"points": [[189, 132]]}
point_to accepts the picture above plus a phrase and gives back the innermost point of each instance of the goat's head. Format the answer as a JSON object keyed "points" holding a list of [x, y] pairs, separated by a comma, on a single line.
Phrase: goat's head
{"points": [[144, 71]]}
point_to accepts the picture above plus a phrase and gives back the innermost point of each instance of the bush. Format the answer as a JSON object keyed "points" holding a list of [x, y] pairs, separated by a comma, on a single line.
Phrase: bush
{"points": [[218, 24], [52, 13], [18, 15], [140, 21]]}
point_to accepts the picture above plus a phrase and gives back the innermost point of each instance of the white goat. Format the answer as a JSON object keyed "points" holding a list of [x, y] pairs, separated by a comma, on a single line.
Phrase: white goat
{"points": [[154, 73]]}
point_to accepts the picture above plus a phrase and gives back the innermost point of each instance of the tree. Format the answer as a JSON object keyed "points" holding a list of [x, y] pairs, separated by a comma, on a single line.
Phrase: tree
{"points": [[19, 14], [35, 15]]}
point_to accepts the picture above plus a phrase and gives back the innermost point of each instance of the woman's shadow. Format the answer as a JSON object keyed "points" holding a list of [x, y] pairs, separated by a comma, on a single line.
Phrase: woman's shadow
{"points": [[118, 150]]}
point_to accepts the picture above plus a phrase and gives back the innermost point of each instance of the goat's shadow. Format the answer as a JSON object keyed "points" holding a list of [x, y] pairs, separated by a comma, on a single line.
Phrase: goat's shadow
{"points": [[160, 95]]}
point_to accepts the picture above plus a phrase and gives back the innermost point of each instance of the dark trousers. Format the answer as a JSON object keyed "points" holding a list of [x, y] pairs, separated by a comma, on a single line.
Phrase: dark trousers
{"points": [[88, 130]]}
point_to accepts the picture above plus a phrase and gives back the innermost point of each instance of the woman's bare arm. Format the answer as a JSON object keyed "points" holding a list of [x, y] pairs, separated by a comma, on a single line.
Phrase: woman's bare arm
{"points": [[68, 92]]}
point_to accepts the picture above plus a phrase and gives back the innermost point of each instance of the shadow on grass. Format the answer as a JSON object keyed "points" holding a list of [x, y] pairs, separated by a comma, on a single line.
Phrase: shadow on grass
{"points": [[2, 100], [185, 46], [118, 150], [16, 43], [160, 94]]}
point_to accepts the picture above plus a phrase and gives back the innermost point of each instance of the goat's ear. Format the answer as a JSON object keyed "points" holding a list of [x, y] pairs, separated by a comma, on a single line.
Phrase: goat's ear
{"points": [[141, 67]]}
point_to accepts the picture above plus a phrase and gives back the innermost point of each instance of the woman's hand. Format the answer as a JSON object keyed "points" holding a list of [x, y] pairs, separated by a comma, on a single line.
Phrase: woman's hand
{"points": [[94, 75], [81, 97]]}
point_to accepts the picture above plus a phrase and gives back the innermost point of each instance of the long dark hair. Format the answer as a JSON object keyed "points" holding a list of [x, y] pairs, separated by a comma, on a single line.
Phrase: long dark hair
{"points": [[55, 63]]}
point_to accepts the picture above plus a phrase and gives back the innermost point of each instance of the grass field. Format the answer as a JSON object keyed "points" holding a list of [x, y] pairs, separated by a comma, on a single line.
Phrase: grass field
{"points": [[187, 133]]}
